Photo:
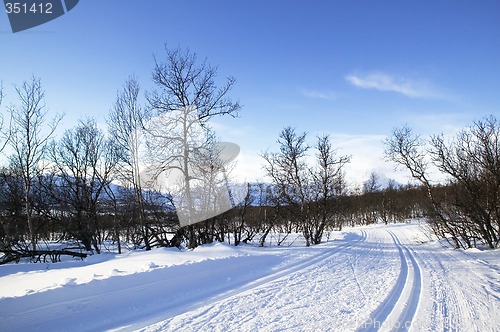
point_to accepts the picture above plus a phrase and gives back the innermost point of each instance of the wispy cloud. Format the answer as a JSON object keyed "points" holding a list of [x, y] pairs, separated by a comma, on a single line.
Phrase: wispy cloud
{"points": [[385, 82], [316, 94]]}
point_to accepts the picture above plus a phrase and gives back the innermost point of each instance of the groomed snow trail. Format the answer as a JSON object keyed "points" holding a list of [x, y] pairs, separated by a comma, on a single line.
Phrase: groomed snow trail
{"points": [[387, 281], [339, 294], [373, 278]]}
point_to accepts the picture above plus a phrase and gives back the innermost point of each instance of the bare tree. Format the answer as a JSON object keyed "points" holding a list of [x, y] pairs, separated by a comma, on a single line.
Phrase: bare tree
{"points": [[372, 184], [408, 150], [328, 183], [84, 164], [183, 82], [291, 175], [28, 139], [186, 99], [125, 125], [472, 161]]}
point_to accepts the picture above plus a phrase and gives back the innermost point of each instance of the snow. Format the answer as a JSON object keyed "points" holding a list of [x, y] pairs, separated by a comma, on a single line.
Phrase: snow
{"points": [[368, 278]]}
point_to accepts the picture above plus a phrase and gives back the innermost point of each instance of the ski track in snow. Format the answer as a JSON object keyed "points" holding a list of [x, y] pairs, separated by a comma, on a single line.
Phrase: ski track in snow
{"points": [[259, 286], [397, 310], [375, 278], [310, 299]]}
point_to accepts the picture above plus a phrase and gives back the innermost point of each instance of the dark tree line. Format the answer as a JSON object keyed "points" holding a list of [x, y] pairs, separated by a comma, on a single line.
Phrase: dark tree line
{"points": [[80, 192]]}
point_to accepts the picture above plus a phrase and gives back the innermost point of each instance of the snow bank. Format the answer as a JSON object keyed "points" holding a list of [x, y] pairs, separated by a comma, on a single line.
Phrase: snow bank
{"points": [[22, 279]]}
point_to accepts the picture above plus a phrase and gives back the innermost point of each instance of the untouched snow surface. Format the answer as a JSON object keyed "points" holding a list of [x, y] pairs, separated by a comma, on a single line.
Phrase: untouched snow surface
{"points": [[388, 278]]}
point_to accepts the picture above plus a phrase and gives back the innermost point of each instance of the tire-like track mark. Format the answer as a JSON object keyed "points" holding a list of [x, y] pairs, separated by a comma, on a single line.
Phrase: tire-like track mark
{"points": [[394, 299]]}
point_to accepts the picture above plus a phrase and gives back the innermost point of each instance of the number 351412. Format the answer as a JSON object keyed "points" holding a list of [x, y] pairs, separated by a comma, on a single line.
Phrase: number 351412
{"points": [[23, 8]]}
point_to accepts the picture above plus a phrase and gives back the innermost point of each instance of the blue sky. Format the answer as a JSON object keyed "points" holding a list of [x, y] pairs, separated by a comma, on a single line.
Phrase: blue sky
{"points": [[355, 69]]}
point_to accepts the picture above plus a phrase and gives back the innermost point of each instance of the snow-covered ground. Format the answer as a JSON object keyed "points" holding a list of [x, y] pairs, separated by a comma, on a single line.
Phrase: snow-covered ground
{"points": [[368, 278]]}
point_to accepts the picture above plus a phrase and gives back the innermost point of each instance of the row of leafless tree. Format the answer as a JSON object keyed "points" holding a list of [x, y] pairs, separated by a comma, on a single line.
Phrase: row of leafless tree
{"points": [[66, 188], [463, 208], [89, 187]]}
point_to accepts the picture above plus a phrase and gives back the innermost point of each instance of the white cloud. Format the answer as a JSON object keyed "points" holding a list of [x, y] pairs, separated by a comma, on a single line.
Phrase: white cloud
{"points": [[367, 156], [386, 82], [315, 94]]}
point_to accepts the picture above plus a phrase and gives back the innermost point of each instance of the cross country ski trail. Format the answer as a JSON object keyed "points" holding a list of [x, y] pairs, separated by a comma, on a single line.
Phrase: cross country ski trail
{"points": [[396, 312], [386, 278], [348, 278]]}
